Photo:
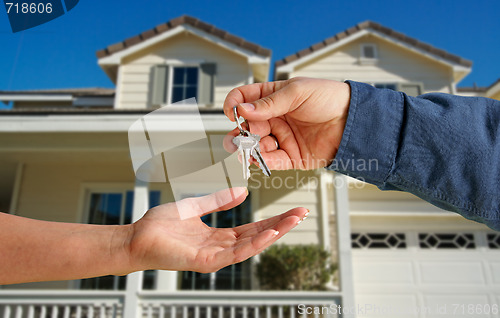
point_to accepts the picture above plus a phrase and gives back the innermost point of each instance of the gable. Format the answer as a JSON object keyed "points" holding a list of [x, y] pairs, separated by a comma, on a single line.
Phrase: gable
{"points": [[112, 56], [184, 46], [394, 64], [461, 67]]}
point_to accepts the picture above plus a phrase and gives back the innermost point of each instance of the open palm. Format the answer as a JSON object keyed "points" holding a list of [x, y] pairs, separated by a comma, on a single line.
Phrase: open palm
{"points": [[162, 240]]}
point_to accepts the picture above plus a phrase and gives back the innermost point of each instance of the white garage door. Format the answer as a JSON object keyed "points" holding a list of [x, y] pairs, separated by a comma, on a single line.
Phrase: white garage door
{"points": [[420, 273]]}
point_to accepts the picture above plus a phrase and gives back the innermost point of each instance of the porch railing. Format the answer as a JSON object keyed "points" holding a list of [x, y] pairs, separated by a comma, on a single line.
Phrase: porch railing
{"points": [[61, 304], [181, 304]]}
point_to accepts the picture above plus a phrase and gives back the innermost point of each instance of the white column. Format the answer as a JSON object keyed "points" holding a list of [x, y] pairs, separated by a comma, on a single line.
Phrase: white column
{"points": [[14, 199], [131, 307], [325, 177], [166, 280], [344, 243]]}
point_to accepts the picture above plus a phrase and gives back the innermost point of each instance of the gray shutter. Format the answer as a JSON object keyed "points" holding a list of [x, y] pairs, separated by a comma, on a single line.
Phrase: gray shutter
{"points": [[207, 83], [160, 80], [411, 89]]}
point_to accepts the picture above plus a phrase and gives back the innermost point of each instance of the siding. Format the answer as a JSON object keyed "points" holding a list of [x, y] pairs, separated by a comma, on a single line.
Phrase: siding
{"points": [[300, 190], [394, 65], [51, 191], [135, 84]]}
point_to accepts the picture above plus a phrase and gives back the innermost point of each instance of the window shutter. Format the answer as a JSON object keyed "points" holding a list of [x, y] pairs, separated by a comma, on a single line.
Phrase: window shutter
{"points": [[411, 89], [207, 83], [160, 80]]}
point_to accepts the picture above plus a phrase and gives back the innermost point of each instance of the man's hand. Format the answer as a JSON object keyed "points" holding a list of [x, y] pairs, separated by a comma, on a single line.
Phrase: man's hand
{"points": [[161, 240], [306, 116]]}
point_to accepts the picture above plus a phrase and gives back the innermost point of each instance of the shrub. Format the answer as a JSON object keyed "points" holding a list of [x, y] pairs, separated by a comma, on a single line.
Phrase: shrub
{"points": [[295, 267]]}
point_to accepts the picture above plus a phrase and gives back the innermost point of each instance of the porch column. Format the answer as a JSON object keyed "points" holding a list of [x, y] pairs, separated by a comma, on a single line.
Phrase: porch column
{"points": [[343, 225], [325, 178], [134, 280], [166, 281]]}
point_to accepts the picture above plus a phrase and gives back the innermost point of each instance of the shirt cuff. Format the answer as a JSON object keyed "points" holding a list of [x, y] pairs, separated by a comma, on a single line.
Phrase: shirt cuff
{"points": [[371, 136]]}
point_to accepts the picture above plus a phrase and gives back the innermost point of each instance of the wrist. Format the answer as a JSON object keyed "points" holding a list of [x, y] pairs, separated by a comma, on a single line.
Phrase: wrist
{"points": [[338, 124], [120, 250]]}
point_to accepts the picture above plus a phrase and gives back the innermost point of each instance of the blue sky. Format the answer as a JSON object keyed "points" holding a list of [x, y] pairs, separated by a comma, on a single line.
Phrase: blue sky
{"points": [[61, 53]]}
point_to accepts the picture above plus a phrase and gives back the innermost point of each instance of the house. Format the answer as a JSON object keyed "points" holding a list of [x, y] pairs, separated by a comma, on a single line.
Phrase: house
{"points": [[492, 91], [65, 157], [406, 253]]}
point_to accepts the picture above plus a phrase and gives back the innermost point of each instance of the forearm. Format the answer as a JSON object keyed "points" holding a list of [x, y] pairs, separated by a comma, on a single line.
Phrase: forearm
{"points": [[440, 147], [33, 250]]}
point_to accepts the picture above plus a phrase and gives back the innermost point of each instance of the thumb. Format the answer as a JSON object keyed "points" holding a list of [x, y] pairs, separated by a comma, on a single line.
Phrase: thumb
{"points": [[218, 201], [282, 101]]}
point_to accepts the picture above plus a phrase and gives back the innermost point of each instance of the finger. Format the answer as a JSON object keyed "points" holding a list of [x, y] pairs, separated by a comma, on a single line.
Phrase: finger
{"points": [[278, 160], [250, 246], [249, 93], [268, 144], [218, 201], [281, 102], [227, 142], [261, 128], [265, 238], [251, 229]]}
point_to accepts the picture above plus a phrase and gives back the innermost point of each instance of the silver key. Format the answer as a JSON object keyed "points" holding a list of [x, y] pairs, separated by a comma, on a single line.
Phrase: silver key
{"points": [[262, 164], [246, 146]]}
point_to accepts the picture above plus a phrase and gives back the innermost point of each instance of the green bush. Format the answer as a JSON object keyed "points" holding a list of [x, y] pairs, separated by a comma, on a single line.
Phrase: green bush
{"points": [[295, 267]]}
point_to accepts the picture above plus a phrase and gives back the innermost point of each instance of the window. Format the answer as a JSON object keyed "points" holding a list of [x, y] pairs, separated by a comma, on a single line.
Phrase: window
{"points": [[174, 83], [411, 89], [184, 83], [392, 86], [368, 51], [233, 277], [493, 240], [378, 240], [111, 208], [446, 240]]}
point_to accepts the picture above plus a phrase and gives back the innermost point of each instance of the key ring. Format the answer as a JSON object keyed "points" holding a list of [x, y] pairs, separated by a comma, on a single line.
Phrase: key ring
{"points": [[238, 124]]}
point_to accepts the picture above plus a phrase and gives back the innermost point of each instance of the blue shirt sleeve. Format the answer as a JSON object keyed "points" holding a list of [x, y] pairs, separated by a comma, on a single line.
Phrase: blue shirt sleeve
{"points": [[443, 148]]}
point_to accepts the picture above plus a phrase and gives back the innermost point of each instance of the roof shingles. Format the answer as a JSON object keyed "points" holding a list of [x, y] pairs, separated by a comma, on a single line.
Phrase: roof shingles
{"points": [[185, 19]]}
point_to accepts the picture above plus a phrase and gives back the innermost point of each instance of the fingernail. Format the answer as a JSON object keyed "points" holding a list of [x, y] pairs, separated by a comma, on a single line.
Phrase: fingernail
{"points": [[248, 107], [307, 213], [298, 222], [276, 233], [246, 191], [305, 217]]}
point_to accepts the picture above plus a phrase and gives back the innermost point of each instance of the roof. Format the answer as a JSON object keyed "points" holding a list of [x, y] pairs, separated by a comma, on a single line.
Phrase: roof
{"points": [[382, 29], [86, 91], [475, 88], [89, 111], [185, 19]]}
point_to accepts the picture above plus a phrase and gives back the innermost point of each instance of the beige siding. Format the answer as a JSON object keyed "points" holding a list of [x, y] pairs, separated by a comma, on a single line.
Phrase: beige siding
{"points": [[135, 84], [288, 190], [394, 64], [52, 191]]}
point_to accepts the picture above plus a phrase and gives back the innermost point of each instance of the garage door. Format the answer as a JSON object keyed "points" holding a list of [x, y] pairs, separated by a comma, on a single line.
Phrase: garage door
{"points": [[422, 273]]}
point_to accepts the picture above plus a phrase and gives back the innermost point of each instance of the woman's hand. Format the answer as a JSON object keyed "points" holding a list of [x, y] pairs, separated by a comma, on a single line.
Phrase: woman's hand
{"points": [[161, 240]]}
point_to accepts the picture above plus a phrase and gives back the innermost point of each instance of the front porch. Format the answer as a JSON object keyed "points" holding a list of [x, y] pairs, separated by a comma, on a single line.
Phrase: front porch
{"points": [[57, 164]]}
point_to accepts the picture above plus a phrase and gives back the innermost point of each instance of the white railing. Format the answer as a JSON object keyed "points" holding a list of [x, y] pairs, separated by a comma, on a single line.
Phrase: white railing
{"points": [[251, 304], [180, 304], [60, 304]]}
